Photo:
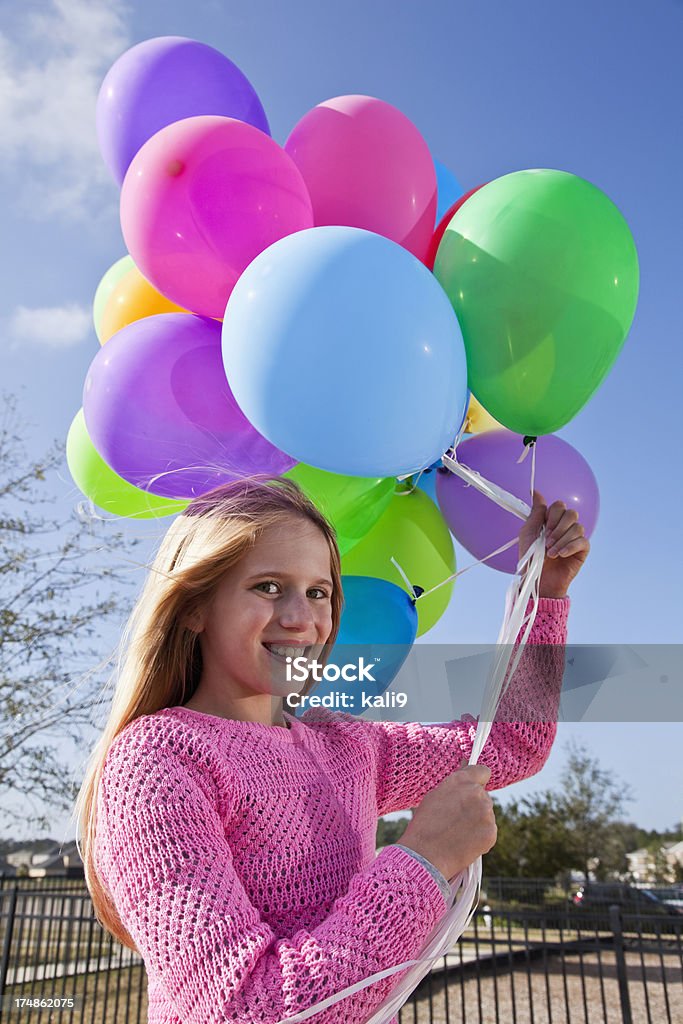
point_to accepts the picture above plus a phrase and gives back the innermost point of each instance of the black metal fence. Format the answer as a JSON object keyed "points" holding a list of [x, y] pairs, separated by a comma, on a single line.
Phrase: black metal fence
{"points": [[517, 963]]}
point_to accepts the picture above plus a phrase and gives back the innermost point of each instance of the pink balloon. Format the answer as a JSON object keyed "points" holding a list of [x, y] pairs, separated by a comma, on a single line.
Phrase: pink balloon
{"points": [[201, 199], [367, 166]]}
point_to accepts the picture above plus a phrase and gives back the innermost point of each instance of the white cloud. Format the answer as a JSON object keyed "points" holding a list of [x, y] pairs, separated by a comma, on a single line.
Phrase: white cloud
{"points": [[50, 326], [52, 62]]}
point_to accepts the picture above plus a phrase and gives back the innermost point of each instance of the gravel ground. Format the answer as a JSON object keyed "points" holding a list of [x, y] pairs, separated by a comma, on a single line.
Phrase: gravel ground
{"points": [[580, 991]]}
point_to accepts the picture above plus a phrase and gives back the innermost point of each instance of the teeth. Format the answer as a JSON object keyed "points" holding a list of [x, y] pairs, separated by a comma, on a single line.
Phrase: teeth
{"points": [[287, 652]]}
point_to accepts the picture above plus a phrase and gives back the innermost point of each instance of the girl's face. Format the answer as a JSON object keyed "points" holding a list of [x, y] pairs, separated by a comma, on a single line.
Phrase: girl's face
{"points": [[276, 602]]}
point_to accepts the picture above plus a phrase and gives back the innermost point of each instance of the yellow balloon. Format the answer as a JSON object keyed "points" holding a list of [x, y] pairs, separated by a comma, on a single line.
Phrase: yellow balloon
{"points": [[478, 420], [133, 298], [106, 287]]}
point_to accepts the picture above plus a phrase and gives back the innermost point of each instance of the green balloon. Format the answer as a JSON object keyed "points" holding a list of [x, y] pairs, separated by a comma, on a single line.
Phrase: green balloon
{"points": [[413, 531], [104, 487], [542, 272], [353, 504]]}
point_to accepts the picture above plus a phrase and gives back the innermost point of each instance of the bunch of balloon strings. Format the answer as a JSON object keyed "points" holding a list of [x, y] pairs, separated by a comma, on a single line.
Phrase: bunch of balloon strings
{"points": [[517, 622]]}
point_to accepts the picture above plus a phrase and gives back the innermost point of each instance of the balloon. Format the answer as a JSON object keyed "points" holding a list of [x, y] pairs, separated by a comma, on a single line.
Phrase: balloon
{"points": [[342, 349], [104, 487], [201, 199], [542, 272], [478, 420], [133, 298], [448, 189], [367, 166], [164, 80], [481, 526], [443, 224], [107, 286], [426, 481], [351, 503], [413, 531], [160, 412], [379, 619]]}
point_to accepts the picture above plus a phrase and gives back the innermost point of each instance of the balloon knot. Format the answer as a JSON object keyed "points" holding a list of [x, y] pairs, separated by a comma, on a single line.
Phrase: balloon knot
{"points": [[529, 439], [417, 591]]}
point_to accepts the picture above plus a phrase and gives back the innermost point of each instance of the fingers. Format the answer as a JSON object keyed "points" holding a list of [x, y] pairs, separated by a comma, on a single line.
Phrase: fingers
{"points": [[575, 547], [478, 773], [533, 523], [566, 532], [538, 512], [560, 518]]}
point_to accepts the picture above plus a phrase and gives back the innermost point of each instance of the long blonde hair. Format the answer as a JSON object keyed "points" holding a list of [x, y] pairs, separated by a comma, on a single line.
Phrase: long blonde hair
{"points": [[159, 658]]}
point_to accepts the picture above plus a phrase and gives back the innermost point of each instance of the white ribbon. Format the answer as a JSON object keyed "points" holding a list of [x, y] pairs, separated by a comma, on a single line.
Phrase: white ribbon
{"points": [[465, 886]]}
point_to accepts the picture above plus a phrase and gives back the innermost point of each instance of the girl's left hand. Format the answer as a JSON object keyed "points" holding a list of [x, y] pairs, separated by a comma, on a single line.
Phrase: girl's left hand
{"points": [[567, 546]]}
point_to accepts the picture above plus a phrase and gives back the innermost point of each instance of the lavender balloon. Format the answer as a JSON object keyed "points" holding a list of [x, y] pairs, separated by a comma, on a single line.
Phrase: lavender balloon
{"points": [[159, 410], [164, 80], [479, 524]]}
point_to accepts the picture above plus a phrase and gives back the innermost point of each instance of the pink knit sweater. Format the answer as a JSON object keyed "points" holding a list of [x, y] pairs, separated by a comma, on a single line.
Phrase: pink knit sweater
{"points": [[241, 857]]}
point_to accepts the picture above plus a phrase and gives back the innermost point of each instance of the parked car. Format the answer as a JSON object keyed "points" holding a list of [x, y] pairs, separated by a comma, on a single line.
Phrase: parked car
{"points": [[593, 900]]}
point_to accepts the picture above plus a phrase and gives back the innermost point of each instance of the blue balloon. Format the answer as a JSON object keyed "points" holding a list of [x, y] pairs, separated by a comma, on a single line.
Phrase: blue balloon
{"points": [[343, 350], [379, 621], [448, 189], [427, 481]]}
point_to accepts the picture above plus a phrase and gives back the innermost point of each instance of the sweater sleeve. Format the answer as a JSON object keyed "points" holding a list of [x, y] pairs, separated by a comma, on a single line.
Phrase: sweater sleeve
{"points": [[411, 759], [162, 853]]}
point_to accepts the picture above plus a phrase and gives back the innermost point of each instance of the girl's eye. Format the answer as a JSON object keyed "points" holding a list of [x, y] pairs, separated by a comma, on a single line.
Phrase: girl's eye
{"points": [[267, 583], [271, 583]]}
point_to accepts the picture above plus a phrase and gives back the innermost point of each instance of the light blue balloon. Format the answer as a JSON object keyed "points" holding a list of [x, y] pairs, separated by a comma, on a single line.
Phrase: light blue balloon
{"points": [[343, 350], [379, 621], [426, 480], [448, 189]]}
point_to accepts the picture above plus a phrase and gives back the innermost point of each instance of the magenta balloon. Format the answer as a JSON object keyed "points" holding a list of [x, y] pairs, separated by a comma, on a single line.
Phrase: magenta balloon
{"points": [[366, 165], [201, 199], [163, 80], [160, 412], [481, 526]]}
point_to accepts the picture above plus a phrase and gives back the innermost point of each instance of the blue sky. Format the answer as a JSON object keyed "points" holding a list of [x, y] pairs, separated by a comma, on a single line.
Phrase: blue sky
{"points": [[495, 87]]}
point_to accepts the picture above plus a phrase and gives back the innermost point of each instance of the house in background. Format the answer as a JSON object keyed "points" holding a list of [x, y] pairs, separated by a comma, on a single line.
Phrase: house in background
{"points": [[647, 866], [59, 861]]}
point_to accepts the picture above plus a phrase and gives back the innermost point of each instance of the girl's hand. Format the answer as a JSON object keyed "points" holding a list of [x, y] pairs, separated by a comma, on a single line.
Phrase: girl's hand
{"points": [[455, 823], [566, 546]]}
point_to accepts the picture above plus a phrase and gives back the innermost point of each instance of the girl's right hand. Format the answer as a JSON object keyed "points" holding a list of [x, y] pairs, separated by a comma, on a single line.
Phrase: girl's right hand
{"points": [[455, 822]]}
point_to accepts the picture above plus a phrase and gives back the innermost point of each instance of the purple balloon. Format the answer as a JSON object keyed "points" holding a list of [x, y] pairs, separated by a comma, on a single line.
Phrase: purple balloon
{"points": [[164, 80], [156, 401], [481, 526]]}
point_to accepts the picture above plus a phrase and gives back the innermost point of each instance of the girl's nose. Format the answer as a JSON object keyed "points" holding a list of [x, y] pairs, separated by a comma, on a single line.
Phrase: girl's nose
{"points": [[296, 612]]}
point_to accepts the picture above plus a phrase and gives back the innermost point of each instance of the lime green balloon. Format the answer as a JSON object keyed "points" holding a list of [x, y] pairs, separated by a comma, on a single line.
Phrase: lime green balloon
{"points": [[413, 531], [106, 287], [353, 504], [542, 272], [104, 487]]}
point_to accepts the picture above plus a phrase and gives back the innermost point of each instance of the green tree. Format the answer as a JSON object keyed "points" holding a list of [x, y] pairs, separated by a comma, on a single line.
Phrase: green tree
{"points": [[590, 801], [57, 593], [390, 831], [532, 840]]}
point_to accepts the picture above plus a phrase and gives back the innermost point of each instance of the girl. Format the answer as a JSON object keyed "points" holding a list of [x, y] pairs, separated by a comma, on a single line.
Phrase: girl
{"points": [[233, 845]]}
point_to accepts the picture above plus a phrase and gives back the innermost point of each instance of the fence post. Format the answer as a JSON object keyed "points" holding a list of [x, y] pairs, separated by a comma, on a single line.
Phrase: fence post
{"points": [[622, 978], [7, 944]]}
